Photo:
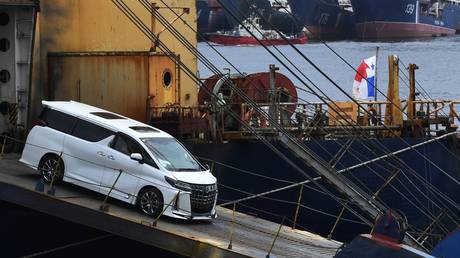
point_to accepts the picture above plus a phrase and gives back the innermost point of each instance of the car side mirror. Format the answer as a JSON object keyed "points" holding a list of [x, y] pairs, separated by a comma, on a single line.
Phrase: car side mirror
{"points": [[138, 157]]}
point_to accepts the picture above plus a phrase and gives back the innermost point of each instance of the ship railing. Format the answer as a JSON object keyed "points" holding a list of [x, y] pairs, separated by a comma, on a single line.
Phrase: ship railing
{"points": [[213, 121], [313, 118], [183, 122], [315, 115], [434, 115], [178, 111], [436, 108]]}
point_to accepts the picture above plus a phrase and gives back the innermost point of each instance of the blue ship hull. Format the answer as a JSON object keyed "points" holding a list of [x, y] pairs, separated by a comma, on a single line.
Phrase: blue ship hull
{"points": [[324, 19], [318, 211], [394, 19]]}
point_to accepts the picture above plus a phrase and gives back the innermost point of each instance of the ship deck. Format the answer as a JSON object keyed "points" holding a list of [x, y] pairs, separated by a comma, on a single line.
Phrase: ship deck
{"points": [[252, 237]]}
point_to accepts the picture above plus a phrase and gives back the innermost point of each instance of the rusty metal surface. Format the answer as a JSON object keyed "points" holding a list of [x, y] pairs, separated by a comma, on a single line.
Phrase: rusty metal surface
{"points": [[161, 93], [255, 86], [97, 26], [124, 82], [107, 53], [252, 236], [115, 82], [182, 122], [99, 53]]}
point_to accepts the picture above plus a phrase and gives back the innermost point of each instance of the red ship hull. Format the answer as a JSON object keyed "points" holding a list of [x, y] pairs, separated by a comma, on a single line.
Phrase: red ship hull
{"points": [[399, 30], [243, 40]]}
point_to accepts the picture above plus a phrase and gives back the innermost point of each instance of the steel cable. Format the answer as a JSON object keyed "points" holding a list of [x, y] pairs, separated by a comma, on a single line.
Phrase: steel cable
{"points": [[333, 83], [145, 30], [208, 42], [329, 79]]}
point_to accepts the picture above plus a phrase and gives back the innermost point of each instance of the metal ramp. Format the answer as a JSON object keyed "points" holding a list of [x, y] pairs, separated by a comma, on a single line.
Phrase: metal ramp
{"points": [[355, 194], [341, 183], [251, 237]]}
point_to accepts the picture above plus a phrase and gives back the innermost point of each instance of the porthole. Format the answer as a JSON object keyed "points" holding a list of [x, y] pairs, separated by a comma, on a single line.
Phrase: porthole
{"points": [[4, 45], [5, 76], [167, 78], [4, 19]]}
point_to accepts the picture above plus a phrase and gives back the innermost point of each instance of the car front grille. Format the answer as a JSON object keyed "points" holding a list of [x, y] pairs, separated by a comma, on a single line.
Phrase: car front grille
{"points": [[203, 197]]}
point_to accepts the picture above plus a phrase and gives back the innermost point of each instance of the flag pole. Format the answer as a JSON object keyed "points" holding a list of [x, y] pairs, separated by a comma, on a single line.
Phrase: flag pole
{"points": [[376, 78]]}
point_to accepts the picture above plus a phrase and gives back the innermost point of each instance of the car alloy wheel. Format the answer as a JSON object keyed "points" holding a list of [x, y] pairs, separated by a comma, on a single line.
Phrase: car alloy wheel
{"points": [[151, 202], [52, 167]]}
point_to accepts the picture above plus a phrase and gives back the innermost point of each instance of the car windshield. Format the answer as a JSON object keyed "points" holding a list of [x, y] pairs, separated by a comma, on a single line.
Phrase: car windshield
{"points": [[172, 155]]}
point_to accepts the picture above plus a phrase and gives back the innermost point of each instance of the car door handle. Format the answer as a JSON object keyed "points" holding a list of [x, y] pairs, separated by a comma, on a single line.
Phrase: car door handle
{"points": [[100, 153], [111, 157]]}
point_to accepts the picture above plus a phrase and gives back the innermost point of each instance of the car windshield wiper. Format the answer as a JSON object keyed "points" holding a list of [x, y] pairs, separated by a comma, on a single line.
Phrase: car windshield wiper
{"points": [[187, 169]]}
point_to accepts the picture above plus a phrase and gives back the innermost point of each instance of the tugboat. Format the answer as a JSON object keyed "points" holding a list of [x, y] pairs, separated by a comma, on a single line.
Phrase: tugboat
{"points": [[240, 36]]}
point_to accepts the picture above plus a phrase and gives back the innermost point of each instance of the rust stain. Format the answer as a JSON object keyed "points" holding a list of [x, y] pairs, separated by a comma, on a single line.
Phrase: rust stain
{"points": [[117, 83], [163, 95]]}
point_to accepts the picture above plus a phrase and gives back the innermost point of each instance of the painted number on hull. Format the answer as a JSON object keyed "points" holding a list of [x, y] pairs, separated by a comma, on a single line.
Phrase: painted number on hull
{"points": [[324, 18], [410, 9]]}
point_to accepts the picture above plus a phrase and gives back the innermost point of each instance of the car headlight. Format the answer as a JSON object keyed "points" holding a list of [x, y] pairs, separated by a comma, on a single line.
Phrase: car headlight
{"points": [[179, 184], [212, 188]]}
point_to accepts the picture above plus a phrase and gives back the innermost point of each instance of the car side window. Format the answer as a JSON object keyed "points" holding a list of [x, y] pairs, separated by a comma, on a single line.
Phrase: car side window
{"points": [[58, 120], [90, 132], [120, 143], [128, 146]]}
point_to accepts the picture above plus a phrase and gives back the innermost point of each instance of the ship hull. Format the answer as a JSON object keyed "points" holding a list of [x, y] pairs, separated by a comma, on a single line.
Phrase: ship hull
{"points": [[242, 40], [210, 18], [317, 32], [260, 170], [400, 30], [397, 19], [324, 20], [235, 11]]}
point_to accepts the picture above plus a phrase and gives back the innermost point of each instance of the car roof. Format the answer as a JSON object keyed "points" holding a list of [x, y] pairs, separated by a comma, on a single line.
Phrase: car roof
{"points": [[106, 118]]}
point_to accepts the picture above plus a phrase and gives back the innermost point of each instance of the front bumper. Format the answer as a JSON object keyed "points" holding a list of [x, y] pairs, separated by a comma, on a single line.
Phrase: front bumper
{"points": [[181, 208]]}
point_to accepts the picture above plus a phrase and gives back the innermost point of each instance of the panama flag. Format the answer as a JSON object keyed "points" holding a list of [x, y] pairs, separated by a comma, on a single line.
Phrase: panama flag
{"points": [[363, 87]]}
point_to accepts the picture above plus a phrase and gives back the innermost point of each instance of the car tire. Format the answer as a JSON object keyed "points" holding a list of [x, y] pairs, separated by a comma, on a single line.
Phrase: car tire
{"points": [[51, 166], [150, 202]]}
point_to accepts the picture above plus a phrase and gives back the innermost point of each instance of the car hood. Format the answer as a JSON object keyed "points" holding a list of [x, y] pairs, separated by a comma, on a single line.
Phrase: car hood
{"points": [[202, 178]]}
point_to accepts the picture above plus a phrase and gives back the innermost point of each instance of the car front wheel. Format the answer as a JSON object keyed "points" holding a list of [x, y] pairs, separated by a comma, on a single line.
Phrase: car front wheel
{"points": [[150, 202]]}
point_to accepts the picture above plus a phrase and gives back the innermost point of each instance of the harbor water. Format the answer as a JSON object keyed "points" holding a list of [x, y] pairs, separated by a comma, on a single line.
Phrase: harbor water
{"points": [[439, 72]]}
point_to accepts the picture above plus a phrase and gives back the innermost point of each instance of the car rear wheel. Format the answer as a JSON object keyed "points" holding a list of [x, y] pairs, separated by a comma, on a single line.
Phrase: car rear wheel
{"points": [[150, 202], [52, 169]]}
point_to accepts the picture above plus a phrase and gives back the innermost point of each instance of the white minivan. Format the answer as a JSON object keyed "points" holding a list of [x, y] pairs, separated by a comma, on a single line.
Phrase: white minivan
{"points": [[94, 148]]}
